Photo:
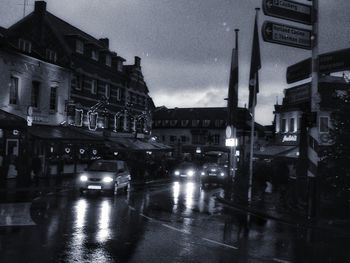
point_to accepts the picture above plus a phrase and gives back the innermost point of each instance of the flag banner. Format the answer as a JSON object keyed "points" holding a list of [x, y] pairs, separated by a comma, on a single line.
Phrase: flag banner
{"points": [[255, 65], [232, 102]]}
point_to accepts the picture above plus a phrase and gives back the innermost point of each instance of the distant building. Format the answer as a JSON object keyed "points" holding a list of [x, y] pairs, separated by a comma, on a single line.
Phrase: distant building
{"points": [[288, 117], [190, 130]]}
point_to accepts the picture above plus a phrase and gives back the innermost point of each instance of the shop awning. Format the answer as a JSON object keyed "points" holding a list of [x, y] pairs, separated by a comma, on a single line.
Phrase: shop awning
{"points": [[133, 144], [60, 133], [11, 121], [274, 151]]}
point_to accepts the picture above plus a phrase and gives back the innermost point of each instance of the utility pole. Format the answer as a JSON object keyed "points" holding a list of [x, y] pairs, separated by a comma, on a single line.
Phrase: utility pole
{"points": [[313, 157]]}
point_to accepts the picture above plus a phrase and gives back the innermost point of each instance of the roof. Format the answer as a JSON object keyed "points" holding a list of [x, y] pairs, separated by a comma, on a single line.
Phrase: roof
{"points": [[132, 144]]}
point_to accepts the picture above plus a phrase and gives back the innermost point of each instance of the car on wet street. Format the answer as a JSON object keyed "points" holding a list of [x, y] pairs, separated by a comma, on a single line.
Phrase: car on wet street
{"points": [[104, 176], [186, 170], [213, 173]]}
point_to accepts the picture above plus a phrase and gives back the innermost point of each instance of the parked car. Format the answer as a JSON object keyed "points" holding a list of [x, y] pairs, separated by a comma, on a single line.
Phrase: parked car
{"points": [[106, 176], [214, 173], [185, 170]]}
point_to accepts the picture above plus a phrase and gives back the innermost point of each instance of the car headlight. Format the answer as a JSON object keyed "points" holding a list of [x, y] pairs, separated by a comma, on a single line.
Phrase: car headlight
{"points": [[177, 172], [222, 174], [190, 173], [83, 178], [107, 179], [202, 173]]}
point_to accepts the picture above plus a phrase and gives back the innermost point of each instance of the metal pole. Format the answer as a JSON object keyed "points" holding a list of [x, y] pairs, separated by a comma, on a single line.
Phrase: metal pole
{"points": [[251, 148], [313, 131]]}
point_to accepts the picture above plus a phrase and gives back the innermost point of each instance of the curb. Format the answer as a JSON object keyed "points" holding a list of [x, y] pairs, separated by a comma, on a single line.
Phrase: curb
{"points": [[306, 225]]}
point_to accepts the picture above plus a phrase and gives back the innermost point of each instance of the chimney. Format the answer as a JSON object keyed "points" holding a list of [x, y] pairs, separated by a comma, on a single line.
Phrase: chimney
{"points": [[105, 42], [40, 7], [137, 61]]}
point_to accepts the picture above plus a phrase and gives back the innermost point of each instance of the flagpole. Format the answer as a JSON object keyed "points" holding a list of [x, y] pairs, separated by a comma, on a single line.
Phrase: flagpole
{"points": [[250, 182], [233, 149]]}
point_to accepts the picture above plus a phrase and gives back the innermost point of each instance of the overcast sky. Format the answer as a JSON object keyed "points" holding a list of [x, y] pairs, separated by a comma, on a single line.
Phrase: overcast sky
{"points": [[185, 45]]}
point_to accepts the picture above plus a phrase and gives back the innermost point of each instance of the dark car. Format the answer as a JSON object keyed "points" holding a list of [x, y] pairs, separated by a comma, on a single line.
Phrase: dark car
{"points": [[186, 170], [104, 175], [214, 173]]}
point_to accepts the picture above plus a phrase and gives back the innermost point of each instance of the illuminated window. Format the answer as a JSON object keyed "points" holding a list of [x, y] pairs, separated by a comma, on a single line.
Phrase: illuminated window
{"points": [[14, 90]]}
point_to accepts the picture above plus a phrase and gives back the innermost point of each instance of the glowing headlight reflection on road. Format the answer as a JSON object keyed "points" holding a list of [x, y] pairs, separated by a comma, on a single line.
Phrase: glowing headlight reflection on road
{"points": [[103, 222], [189, 194], [80, 210], [176, 192]]}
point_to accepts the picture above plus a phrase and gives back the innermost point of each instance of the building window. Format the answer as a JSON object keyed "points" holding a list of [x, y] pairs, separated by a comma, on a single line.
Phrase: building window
{"points": [[108, 60], [195, 123], [284, 125], [79, 46], [25, 45], [53, 99], [184, 123], [173, 123], [51, 55], [14, 90], [172, 138], [107, 90], [119, 94], [183, 138], [324, 124], [35, 95], [292, 125], [78, 118], [206, 123], [94, 55], [120, 66], [219, 123], [216, 139], [94, 86], [77, 82]]}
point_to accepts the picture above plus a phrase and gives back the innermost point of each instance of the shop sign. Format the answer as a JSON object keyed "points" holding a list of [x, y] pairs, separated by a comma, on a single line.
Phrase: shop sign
{"points": [[289, 138]]}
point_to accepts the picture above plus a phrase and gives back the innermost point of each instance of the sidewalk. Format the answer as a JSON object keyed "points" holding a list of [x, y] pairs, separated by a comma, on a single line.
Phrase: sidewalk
{"points": [[272, 208]]}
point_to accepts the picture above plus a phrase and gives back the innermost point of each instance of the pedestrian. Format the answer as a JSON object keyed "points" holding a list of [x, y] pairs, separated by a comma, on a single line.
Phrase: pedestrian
{"points": [[36, 168]]}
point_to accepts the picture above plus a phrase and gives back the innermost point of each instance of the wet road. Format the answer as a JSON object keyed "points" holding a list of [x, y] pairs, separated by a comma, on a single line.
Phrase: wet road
{"points": [[169, 222]]}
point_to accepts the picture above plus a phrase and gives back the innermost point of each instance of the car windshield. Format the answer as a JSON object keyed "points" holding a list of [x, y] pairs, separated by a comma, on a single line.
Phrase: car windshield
{"points": [[103, 166], [186, 165]]}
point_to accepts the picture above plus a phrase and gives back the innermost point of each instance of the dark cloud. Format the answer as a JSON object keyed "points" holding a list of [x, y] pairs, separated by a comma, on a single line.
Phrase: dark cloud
{"points": [[186, 45]]}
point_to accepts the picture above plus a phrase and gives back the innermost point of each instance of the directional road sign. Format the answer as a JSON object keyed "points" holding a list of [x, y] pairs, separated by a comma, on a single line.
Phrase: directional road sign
{"points": [[286, 35], [289, 10], [329, 62]]}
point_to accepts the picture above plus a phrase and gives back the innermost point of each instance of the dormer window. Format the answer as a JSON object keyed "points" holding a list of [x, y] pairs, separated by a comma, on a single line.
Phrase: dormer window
{"points": [[108, 61], [195, 123], [94, 55], [206, 123], [51, 55], [184, 123], [79, 46], [120, 66], [25, 45]]}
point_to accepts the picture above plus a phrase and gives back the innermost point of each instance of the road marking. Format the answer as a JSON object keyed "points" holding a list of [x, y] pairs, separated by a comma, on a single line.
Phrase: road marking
{"points": [[281, 260], [149, 218], [176, 229], [15, 214], [219, 243]]}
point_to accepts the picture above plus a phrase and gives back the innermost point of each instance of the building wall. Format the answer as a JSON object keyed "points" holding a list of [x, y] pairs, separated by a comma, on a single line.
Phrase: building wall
{"points": [[27, 70]]}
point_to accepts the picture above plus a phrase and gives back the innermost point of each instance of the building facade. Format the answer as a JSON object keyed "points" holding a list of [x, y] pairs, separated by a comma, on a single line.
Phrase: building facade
{"points": [[79, 99]]}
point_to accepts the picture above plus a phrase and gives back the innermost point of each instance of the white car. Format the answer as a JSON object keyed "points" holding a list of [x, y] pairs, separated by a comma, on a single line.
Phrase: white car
{"points": [[106, 176]]}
